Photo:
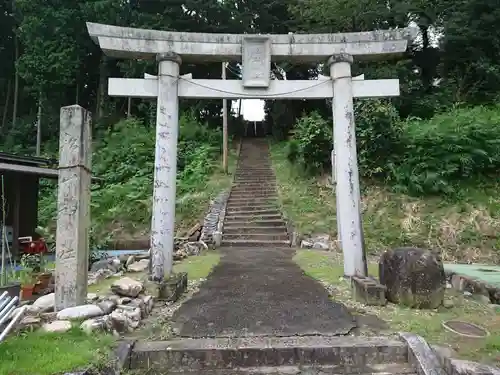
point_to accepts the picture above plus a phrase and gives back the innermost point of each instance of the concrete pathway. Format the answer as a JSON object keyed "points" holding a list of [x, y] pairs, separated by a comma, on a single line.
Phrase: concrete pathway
{"points": [[257, 289], [260, 292]]}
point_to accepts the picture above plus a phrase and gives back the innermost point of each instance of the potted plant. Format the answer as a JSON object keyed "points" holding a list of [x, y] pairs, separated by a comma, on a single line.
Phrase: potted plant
{"points": [[27, 283]]}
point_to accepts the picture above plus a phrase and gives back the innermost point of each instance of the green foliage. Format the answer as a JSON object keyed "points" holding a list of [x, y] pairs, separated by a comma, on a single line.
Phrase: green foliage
{"points": [[377, 135], [459, 146], [123, 160], [312, 143]]}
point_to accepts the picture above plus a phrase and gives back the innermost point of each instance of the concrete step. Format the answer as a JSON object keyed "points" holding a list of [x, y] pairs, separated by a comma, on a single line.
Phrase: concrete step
{"points": [[342, 355], [252, 200], [278, 236], [257, 188], [254, 243], [253, 217], [377, 369], [231, 229], [259, 223], [231, 212], [235, 207], [254, 193]]}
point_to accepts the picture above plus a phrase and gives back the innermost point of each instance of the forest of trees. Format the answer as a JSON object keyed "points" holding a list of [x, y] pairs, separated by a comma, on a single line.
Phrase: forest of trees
{"points": [[47, 60]]}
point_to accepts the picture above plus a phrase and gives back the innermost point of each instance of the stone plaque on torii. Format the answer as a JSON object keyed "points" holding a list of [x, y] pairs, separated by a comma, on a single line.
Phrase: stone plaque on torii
{"points": [[256, 52]]}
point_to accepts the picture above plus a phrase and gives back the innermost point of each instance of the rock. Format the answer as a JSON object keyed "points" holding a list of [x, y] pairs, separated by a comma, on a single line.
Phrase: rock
{"points": [[139, 266], [448, 303], [45, 303], [413, 277], [130, 260], [482, 298], [306, 244], [124, 301], [80, 312], [321, 245], [92, 297], [194, 248], [148, 303], [57, 326], [91, 325], [467, 294], [127, 287], [95, 277], [118, 322], [107, 306], [30, 322]]}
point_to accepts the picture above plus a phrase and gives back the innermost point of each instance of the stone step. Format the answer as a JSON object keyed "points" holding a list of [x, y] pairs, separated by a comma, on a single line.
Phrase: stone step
{"points": [[377, 369], [343, 355], [256, 180], [251, 200], [251, 175], [259, 223], [268, 185], [278, 236], [231, 212], [231, 229], [256, 188], [253, 217], [235, 207], [254, 243], [254, 193]]}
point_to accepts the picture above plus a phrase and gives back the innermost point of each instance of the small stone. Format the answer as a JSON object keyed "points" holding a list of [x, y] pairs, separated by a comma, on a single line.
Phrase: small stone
{"points": [[130, 260], [45, 303], [139, 266], [91, 325], [107, 306], [57, 326], [30, 322], [481, 298], [321, 246], [92, 297], [467, 294], [80, 312], [124, 301], [127, 287], [305, 244], [448, 303]]}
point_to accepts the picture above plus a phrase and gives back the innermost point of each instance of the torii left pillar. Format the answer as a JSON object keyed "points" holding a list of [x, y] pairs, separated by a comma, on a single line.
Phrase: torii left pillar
{"points": [[165, 170]]}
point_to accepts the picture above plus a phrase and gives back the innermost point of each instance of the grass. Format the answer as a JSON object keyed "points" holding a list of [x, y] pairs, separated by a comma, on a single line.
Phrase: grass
{"points": [[327, 267], [465, 229], [48, 354], [53, 353]]}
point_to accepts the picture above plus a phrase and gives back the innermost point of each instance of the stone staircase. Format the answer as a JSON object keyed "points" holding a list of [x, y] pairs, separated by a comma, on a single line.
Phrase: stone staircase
{"points": [[252, 214], [298, 355]]}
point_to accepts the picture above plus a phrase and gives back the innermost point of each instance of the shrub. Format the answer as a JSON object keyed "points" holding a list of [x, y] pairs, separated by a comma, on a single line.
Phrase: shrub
{"points": [[124, 160], [449, 148], [377, 135], [311, 144]]}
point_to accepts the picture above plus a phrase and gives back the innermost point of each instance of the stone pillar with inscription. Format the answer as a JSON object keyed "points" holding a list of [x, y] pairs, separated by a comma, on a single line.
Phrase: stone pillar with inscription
{"points": [[73, 208], [346, 167], [165, 169]]}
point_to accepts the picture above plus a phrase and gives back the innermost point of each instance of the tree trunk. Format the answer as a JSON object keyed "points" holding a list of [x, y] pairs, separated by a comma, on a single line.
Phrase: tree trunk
{"points": [[39, 125], [16, 82], [129, 107], [6, 107]]}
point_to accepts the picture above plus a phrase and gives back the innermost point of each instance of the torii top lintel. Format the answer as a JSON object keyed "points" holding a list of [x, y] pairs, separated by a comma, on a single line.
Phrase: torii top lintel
{"points": [[132, 43]]}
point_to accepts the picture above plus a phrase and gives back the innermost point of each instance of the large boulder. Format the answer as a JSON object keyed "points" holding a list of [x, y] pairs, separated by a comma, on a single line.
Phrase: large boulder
{"points": [[413, 277]]}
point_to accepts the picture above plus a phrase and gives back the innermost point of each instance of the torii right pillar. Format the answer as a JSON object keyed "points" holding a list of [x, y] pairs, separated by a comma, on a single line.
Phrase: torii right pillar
{"points": [[346, 168]]}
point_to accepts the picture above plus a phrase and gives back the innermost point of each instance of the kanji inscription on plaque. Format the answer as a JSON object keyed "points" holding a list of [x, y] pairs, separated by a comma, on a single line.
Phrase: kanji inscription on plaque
{"points": [[256, 61]]}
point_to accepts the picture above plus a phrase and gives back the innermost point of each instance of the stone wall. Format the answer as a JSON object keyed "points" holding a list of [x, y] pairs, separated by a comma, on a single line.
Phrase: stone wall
{"points": [[214, 216]]}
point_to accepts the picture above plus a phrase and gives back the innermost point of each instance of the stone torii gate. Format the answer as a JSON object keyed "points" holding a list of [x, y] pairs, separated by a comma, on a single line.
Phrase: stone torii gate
{"points": [[256, 52]]}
